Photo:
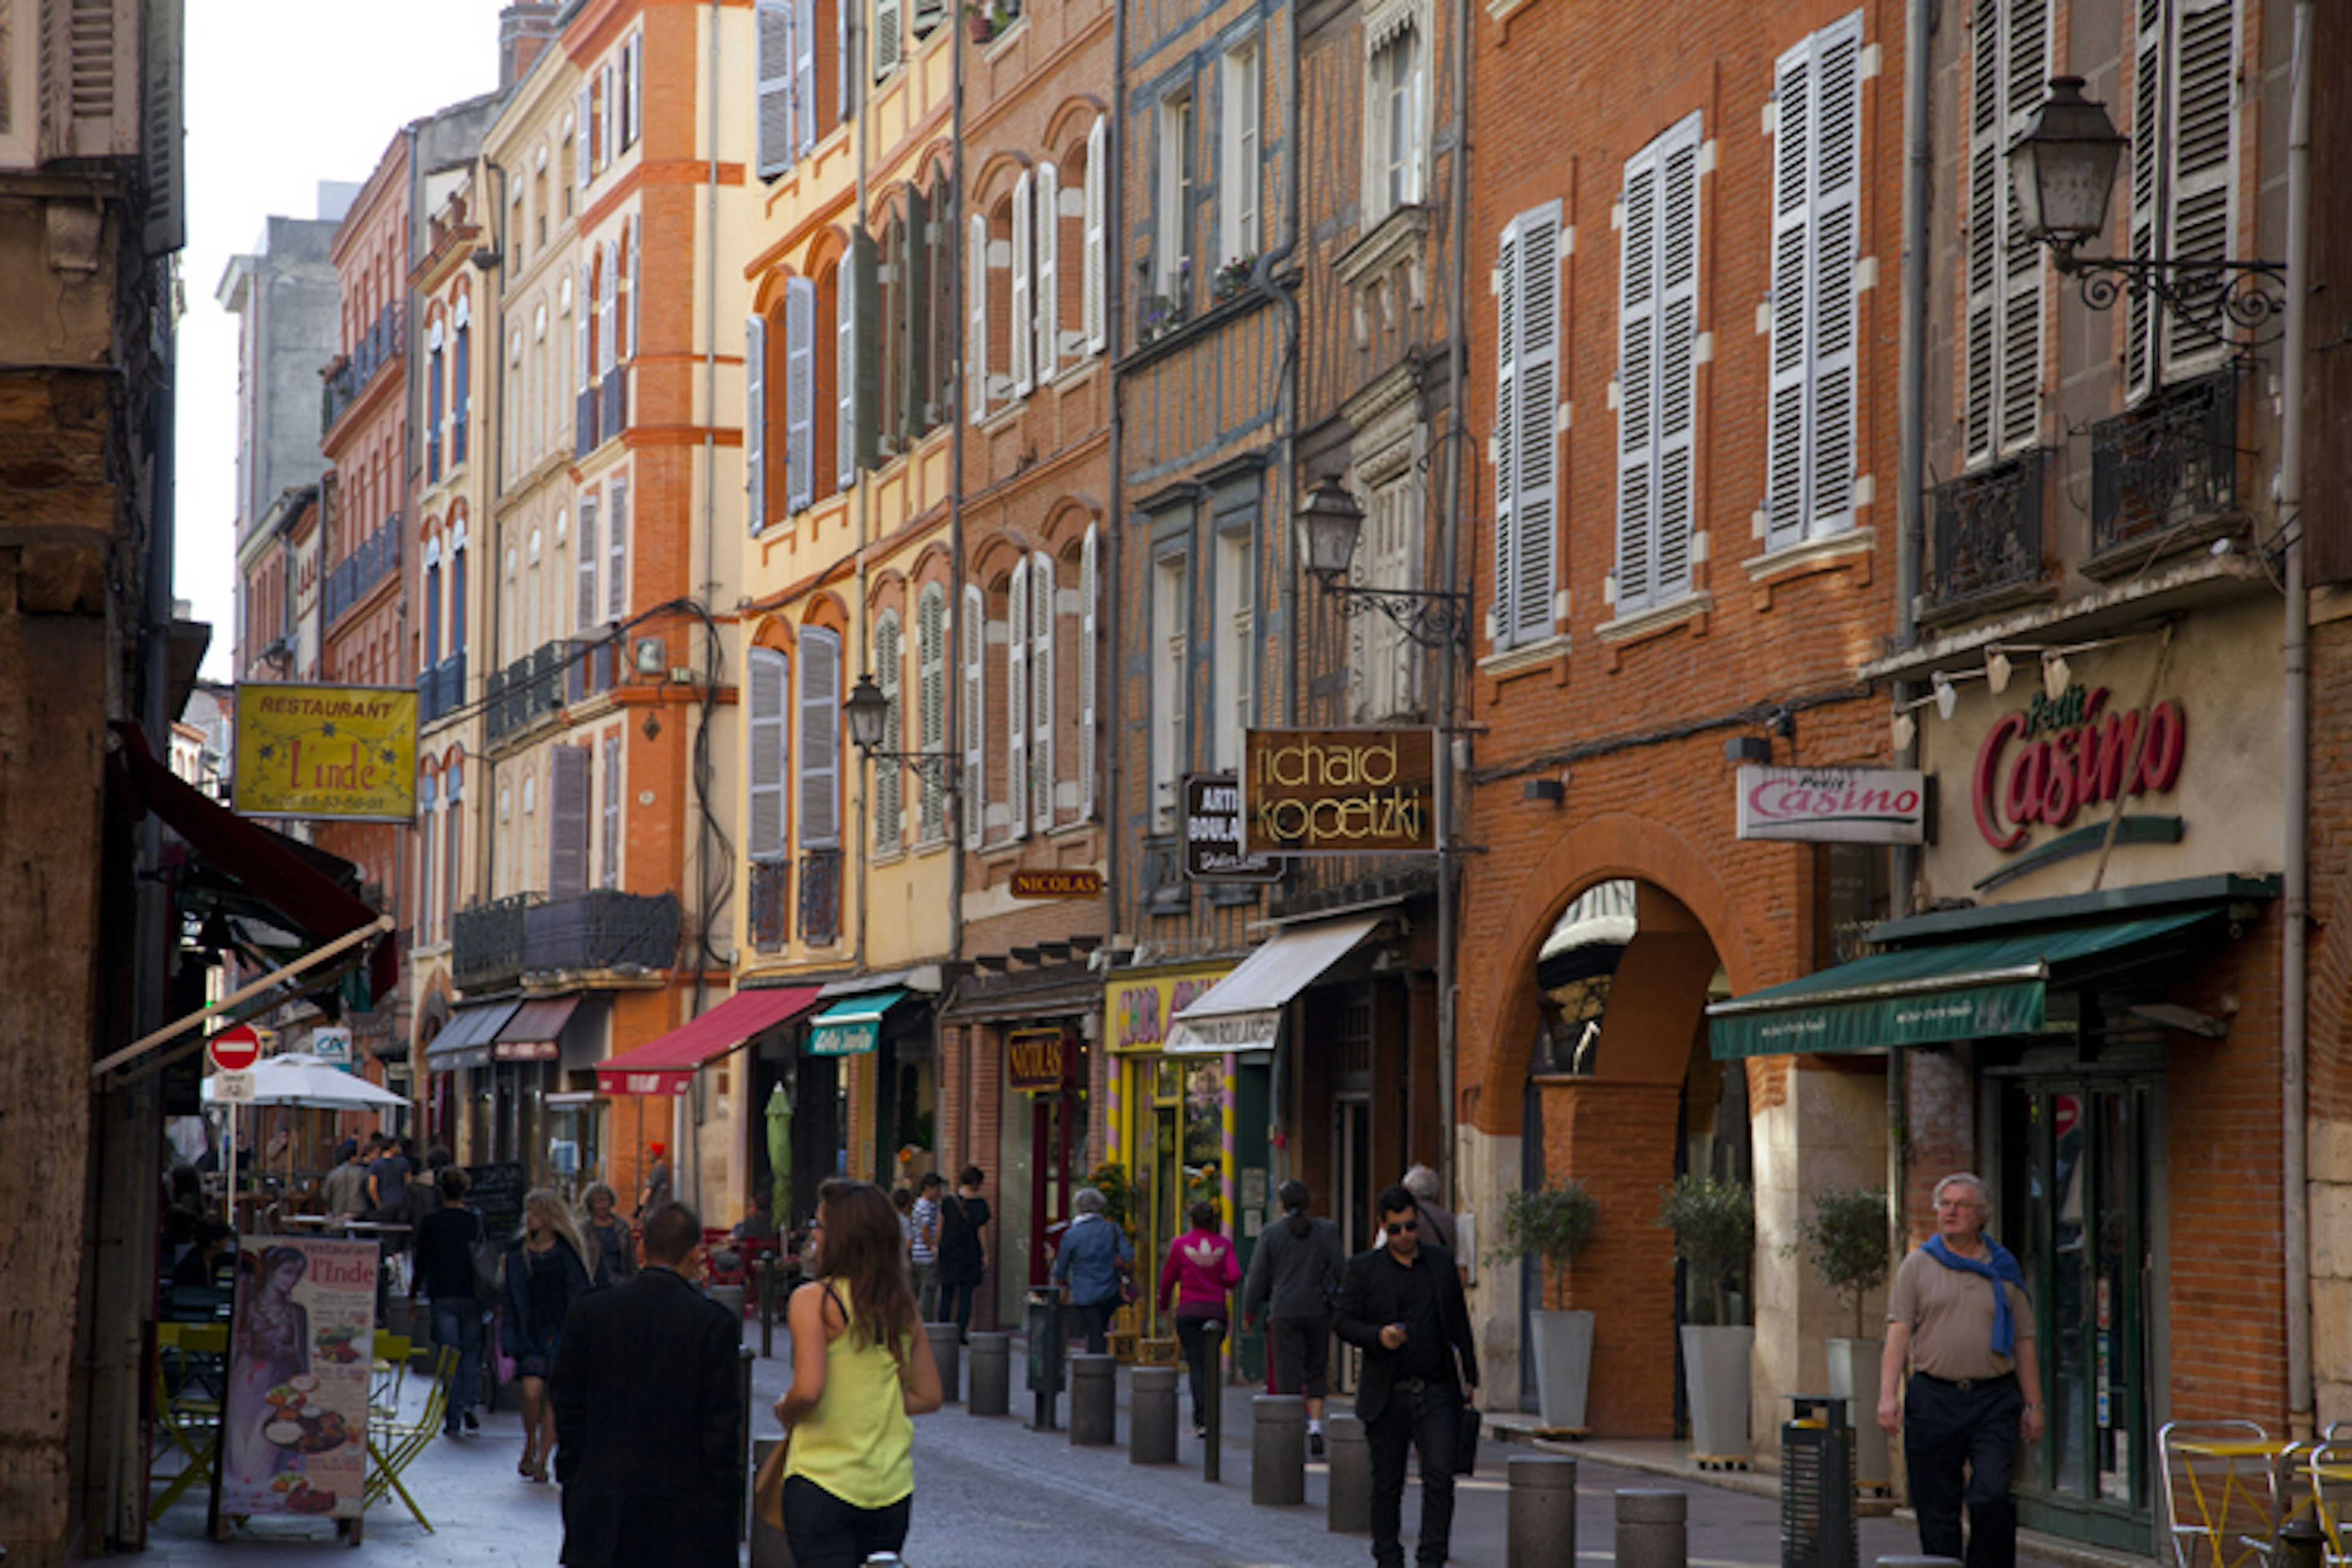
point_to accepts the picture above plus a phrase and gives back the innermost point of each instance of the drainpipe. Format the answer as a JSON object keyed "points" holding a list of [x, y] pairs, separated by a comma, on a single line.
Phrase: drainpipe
{"points": [[959, 417], [1451, 466], [860, 79], [2294, 976], [1107, 565], [1910, 499], [485, 842], [1285, 396], [712, 79]]}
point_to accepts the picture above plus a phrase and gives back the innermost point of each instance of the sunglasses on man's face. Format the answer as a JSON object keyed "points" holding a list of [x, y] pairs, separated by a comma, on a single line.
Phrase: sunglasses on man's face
{"points": [[1405, 1227]]}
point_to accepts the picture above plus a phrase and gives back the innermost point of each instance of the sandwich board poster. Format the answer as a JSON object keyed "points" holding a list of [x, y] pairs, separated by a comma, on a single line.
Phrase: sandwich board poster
{"points": [[301, 1347]]}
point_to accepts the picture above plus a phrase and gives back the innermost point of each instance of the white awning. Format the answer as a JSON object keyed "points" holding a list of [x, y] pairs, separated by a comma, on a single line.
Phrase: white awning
{"points": [[1242, 1012]]}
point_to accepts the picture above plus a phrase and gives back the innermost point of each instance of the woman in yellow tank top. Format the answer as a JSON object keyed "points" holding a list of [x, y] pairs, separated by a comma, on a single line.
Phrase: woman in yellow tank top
{"points": [[861, 1366]]}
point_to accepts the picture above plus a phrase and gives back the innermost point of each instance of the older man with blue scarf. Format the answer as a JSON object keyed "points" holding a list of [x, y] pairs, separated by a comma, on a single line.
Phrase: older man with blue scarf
{"points": [[1959, 1315]]}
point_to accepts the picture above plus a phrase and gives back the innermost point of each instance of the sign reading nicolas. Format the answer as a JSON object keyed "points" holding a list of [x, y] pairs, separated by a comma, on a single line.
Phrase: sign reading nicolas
{"points": [[1340, 792], [1215, 850]]}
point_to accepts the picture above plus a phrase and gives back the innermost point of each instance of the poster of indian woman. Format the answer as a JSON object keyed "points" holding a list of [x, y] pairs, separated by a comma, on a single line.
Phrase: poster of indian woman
{"points": [[301, 1349]]}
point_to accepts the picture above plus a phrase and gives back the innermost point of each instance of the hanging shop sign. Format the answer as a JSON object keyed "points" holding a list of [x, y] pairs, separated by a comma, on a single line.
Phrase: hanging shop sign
{"points": [[2056, 759], [341, 751], [1036, 1060], [1141, 1011], [1833, 806], [1080, 884], [332, 1045], [1340, 792], [1215, 846]]}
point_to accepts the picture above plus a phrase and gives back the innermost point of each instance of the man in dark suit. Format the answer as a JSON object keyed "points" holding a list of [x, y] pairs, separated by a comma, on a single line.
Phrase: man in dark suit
{"points": [[1401, 1303], [648, 1415]]}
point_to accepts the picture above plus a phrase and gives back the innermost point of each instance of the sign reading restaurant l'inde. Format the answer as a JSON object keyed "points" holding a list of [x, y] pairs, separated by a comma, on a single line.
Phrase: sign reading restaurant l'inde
{"points": [[1340, 792]]}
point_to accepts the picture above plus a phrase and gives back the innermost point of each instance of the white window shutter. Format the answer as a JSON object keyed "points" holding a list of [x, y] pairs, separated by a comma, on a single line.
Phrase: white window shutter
{"points": [[888, 41], [1836, 249], [2148, 55], [889, 773], [1792, 211], [974, 638], [636, 282], [1637, 391], [1017, 701], [755, 422], [583, 552], [1041, 617], [1507, 425], [607, 296], [1988, 212], [799, 394], [582, 145], [1090, 583], [634, 89], [616, 552], [1535, 470], [2200, 145], [976, 301], [845, 305], [804, 74], [1048, 253], [2025, 66], [1677, 369], [1096, 235], [931, 704], [820, 747], [608, 119], [1023, 302], [584, 315], [770, 679]]}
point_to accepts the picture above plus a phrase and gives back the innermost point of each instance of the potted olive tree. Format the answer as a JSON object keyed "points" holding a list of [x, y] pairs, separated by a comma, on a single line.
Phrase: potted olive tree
{"points": [[1713, 1225], [1845, 1240], [1554, 1223]]}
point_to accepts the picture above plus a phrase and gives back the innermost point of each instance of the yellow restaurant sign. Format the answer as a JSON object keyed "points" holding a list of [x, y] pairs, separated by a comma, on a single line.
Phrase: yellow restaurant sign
{"points": [[346, 751], [1141, 1011]]}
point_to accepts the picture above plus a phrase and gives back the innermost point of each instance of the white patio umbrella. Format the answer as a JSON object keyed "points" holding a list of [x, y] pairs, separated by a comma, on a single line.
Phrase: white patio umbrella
{"points": [[298, 1078]]}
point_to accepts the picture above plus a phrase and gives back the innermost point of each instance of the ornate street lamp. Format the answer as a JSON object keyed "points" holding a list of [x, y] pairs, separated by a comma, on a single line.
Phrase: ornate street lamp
{"points": [[868, 713], [2063, 171], [1329, 522]]}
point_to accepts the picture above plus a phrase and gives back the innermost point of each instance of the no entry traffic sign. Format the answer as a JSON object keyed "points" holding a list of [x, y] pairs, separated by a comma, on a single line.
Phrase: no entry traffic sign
{"points": [[234, 1049]]}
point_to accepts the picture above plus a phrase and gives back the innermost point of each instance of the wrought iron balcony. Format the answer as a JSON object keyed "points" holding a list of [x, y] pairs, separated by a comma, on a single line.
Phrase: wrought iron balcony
{"points": [[769, 904], [355, 576], [2163, 476], [590, 670], [384, 341], [527, 693], [485, 943], [821, 897], [441, 690], [601, 929], [1989, 534]]}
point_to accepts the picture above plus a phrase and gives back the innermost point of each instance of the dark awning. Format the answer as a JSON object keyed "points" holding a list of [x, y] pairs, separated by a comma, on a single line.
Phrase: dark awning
{"points": [[466, 1043], [536, 1031], [1938, 993]]}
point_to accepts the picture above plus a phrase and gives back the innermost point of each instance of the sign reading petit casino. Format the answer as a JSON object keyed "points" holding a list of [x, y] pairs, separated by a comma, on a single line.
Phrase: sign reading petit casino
{"points": [[2055, 759], [1340, 792], [1833, 806], [327, 750]]}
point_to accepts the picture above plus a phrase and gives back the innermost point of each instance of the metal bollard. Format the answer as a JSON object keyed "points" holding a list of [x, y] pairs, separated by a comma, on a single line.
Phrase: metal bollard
{"points": [[1151, 1416], [1653, 1528], [946, 1349], [1094, 1401], [1277, 1450], [1539, 1519], [743, 1439], [769, 1548], [1351, 1488], [992, 1374]]}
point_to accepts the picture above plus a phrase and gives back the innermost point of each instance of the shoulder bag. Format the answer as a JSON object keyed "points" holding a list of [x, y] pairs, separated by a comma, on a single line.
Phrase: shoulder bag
{"points": [[1466, 1421], [490, 1267]]}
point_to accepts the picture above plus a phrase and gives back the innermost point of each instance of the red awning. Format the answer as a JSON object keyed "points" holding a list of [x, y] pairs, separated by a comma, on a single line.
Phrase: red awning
{"points": [[260, 859], [663, 1065]]}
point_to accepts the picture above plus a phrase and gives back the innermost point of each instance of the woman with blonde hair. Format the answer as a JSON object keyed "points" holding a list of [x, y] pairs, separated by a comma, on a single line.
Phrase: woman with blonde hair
{"points": [[546, 1270], [861, 1366]]}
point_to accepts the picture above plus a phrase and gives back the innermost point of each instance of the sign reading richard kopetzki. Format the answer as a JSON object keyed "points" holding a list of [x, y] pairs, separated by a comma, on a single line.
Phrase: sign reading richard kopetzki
{"points": [[1340, 792]]}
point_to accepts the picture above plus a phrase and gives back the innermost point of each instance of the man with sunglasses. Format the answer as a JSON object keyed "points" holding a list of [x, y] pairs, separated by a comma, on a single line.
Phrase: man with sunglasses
{"points": [[1402, 1304]]}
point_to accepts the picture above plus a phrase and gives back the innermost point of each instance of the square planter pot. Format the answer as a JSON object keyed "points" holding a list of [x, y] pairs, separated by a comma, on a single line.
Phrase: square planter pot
{"points": [[1563, 1367], [1715, 1375]]}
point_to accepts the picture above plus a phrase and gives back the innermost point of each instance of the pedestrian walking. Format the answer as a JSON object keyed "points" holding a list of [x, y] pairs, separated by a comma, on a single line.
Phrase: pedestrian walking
{"points": [[608, 1235], [346, 1195], [861, 1366], [443, 1276], [1437, 1222], [962, 1257], [388, 1172], [648, 1415], [656, 1188], [1960, 1314], [1401, 1303], [1294, 1277], [1200, 1271], [547, 1271], [925, 1248], [1094, 1260]]}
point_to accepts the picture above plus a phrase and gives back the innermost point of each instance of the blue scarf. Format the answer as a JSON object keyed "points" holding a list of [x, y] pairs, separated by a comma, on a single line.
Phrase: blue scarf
{"points": [[2001, 1267]]}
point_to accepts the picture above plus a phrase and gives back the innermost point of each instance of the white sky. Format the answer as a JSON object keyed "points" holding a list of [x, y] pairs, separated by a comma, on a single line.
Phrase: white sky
{"points": [[282, 94]]}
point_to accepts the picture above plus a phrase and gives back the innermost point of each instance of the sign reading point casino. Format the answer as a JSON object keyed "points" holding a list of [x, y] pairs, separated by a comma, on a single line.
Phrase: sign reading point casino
{"points": [[1340, 792]]}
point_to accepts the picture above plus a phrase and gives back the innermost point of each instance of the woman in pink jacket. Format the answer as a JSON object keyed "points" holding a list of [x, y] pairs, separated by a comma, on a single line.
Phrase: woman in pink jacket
{"points": [[1199, 1271]]}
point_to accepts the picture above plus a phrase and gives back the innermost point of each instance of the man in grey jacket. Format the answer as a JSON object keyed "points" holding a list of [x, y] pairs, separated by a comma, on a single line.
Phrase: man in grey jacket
{"points": [[1295, 1274]]}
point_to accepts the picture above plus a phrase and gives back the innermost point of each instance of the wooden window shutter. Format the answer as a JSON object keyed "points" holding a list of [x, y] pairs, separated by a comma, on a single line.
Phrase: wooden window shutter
{"points": [[803, 70], [567, 842], [584, 144], [845, 102], [1507, 425], [1535, 467], [820, 747], [1793, 213], [1042, 619], [608, 98], [770, 679], [1096, 220], [755, 422], [1677, 369], [584, 316], [972, 637], [889, 773], [1637, 309], [1016, 702], [1089, 587], [637, 283], [607, 296], [888, 45], [2200, 206], [799, 394], [1048, 251], [931, 704], [846, 304], [1023, 302], [609, 859], [2148, 55], [616, 533], [914, 346], [584, 554], [633, 89], [975, 347], [2026, 70]]}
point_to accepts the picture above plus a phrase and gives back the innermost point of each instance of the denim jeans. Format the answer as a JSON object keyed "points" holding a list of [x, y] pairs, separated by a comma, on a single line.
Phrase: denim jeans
{"points": [[927, 1291], [1093, 1321], [1944, 1429], [1424, 1417], [827, 1532], [457, 1322]]}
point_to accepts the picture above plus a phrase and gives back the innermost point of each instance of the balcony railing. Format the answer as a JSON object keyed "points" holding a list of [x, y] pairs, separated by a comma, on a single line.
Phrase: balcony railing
{"points": [[384, 341], [1989, 533], [601, 929], [527, 693], [441, 690], [355, 576], [821, 897], [590, 670], [485, 943], [2163, 469], [771, 904]]}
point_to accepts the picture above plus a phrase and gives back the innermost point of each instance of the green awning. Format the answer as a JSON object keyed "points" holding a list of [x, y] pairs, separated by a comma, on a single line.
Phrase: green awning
{"points": [[852, 1026], [1931, 994]]}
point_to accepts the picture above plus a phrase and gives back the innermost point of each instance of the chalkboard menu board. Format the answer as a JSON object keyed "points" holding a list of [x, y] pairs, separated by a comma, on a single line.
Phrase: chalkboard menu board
{"points": [[497, 1195]]}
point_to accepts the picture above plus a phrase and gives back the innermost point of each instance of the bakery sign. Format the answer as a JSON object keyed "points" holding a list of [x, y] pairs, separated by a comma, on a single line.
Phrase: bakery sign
{"points": [[1340, 792], [1833, 806], [2054, 760]]}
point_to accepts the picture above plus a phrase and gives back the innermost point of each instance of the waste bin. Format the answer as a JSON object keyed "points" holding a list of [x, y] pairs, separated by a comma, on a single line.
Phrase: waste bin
{"points": [[1819, 1527], [1045, 1347]]}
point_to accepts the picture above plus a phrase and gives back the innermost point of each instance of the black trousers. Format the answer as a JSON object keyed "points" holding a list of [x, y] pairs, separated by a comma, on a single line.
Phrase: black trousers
{"points": [[1424, 1417], [827, 1532], [1200, 1344], [1959, 1444]]}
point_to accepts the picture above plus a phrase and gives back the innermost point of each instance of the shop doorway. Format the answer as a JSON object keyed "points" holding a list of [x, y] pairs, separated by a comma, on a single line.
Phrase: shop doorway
{"points": [[1351, 1171]]}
